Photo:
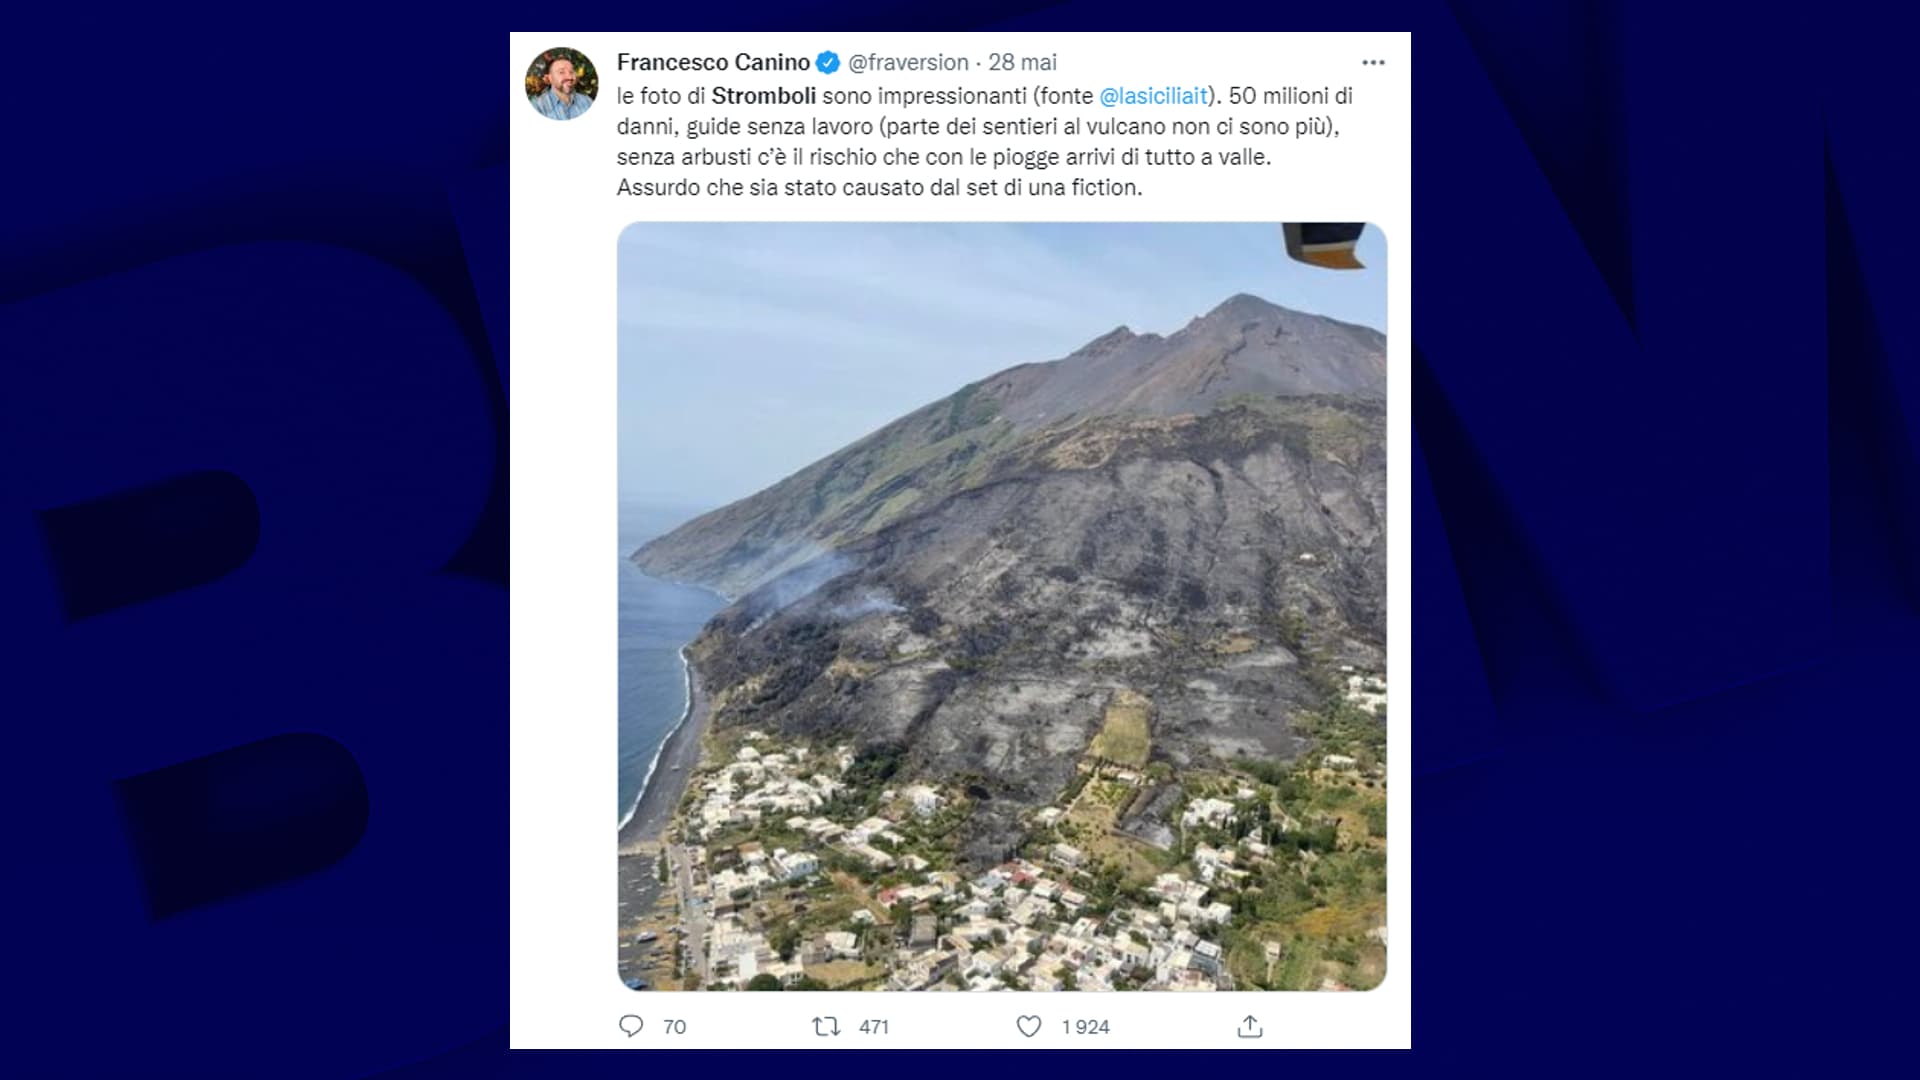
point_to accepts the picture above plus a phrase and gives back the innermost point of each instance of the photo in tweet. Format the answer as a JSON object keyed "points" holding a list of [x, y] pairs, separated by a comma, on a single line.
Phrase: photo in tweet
{"points": [[1002, 607]]}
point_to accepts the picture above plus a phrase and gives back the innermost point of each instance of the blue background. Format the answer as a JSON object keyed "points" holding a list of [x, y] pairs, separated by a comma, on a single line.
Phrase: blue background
{"points": [[1666, 495]]}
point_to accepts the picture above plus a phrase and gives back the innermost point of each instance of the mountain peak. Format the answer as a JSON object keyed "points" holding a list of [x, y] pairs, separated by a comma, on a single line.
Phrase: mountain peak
{"points": [[1106, 342], [1247, 351], [1245, 345], [1243, 306]]}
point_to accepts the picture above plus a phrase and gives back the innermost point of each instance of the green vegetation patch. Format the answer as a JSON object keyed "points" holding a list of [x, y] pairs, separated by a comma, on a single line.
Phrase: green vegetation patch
{"points": [[1123, 737], [888, 511]]}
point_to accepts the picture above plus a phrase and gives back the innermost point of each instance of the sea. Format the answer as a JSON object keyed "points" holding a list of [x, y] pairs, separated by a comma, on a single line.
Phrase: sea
{"points": [[657, 618]]}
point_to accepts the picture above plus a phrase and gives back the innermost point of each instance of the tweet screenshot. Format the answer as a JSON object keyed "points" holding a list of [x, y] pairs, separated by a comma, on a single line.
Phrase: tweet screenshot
{"points": [[960, 521]]}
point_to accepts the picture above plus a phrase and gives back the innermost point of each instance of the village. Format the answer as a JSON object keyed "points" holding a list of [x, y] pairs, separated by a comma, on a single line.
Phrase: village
{"points": [[803, 867]]}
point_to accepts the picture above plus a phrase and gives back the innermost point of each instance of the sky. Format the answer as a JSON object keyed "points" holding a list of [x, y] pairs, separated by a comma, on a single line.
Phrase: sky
{"points": [[749, 351]]}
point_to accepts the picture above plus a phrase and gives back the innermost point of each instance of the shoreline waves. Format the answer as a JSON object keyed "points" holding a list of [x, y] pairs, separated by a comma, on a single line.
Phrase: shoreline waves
{"points": [[679, 753], [646, 781], [659, 622]]}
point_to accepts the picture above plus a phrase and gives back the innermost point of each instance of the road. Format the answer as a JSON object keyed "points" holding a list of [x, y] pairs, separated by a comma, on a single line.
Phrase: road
{"points": [[692, 914]]}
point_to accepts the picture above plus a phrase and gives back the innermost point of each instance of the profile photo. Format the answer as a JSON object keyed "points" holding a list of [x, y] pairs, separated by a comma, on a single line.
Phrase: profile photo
{"points": [[562, 83]]}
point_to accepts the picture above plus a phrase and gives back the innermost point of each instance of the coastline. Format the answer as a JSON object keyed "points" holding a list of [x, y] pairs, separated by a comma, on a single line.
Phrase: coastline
{"points": [[686, 676], [671, 770], [726, 599], [635, 827]]}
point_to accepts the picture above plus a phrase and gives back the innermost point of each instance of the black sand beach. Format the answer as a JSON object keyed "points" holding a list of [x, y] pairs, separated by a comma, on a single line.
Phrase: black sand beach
{"points": [[678, 758]]}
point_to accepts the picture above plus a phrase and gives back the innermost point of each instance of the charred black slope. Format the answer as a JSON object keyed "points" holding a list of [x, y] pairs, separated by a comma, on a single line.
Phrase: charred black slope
{"points": [[1197, 519]]}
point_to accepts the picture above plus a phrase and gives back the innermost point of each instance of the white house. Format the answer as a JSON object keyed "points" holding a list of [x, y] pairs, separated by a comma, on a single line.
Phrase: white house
{"points": [[1213, 812], [926, 800], [1367, 692], [795, 864]]}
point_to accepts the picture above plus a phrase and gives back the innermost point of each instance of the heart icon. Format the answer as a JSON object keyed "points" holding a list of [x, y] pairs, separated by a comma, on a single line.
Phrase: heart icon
{"points": [[1028, 1025]]}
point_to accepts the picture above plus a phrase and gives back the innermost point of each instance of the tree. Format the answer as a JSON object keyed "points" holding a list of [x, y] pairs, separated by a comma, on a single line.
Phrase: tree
{"points": [[764, 981], [785, 940]]}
